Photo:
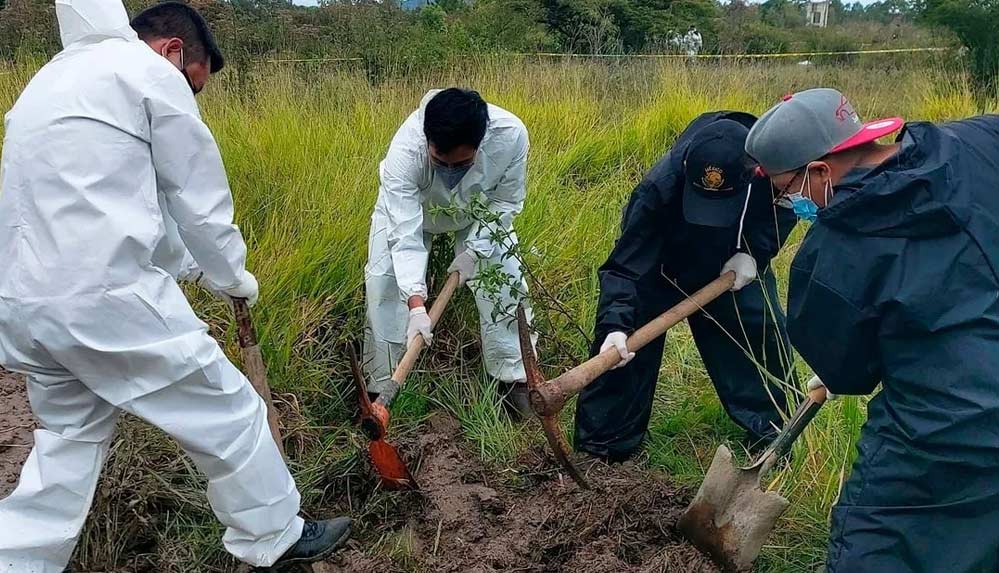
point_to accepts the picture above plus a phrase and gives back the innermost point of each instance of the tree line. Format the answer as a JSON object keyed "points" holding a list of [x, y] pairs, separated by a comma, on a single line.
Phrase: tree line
{"points": [[379, 31]]}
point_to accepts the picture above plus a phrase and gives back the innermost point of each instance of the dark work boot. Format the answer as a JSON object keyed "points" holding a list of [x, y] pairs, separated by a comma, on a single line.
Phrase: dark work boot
{"points": [[319, 540], [516, 400]]}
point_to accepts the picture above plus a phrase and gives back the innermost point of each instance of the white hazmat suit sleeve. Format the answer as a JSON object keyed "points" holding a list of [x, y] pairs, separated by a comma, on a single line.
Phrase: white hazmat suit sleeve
{"points": [[506, 201], [191, 176], [400, 173]]}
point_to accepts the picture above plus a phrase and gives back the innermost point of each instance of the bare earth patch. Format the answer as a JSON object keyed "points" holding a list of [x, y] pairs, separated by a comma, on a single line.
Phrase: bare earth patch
{"points": [[16, 425], [468, 519], [465, 519]]}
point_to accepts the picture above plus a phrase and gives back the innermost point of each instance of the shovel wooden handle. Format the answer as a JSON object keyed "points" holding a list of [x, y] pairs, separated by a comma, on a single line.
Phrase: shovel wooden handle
{"points": [[550, 398], [256, 370], [413, 351]]}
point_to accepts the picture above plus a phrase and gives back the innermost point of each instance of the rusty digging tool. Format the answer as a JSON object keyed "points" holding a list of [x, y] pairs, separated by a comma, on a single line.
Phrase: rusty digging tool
{"points": [[253, 363], [731, 515], [548, 398], [385, 458]]}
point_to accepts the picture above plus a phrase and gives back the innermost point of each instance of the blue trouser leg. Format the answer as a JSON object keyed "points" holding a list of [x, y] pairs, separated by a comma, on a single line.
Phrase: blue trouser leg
{"points": [[612, 415], [743, 342]]}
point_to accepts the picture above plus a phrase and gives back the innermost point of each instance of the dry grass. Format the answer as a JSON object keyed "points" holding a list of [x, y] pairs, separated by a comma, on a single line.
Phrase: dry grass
{"points": [[302, 145]]}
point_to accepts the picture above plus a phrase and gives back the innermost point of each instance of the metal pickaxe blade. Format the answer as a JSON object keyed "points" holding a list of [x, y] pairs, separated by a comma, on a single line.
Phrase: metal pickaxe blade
{"points": [[375, 415], [731, 516], [556, 439]]}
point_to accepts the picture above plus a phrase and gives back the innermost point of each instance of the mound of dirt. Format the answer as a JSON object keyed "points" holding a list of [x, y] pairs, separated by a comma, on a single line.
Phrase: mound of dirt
{"points": [[16, 425], [465, 519]]}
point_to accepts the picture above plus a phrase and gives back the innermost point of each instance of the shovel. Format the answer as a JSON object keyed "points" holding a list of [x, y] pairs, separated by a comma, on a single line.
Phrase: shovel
{"points": [[548, 398], [731, 515], [385, 459], [253, 363]]}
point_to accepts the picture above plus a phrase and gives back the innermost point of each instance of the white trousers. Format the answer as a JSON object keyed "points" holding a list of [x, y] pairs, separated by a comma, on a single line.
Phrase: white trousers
{"points": [[154, 360], [388, 313]]}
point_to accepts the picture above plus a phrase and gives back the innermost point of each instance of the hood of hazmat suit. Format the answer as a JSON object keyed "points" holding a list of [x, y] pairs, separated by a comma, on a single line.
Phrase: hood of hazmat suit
{"points": [[896, 283], [110, 186], [89, 21]]}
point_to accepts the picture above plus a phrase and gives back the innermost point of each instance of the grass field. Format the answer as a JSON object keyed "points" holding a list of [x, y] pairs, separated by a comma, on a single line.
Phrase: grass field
{"points": [[302, 146]]}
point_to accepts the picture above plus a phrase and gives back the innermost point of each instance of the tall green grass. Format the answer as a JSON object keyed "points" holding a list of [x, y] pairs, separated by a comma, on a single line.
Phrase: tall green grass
{"points": [[302, 146]]}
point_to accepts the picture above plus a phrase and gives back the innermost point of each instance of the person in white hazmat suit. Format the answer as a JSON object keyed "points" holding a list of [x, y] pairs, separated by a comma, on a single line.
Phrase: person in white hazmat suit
{"points": [[111, 188], [693, 42], [453, 149]]}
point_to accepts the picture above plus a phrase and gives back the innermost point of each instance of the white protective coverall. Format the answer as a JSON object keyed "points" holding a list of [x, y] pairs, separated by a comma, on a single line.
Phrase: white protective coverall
{"points": [[402, 227], [110, 186]]}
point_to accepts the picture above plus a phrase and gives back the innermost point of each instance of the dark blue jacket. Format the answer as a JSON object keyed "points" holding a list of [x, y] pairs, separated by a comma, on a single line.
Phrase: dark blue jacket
{"points": [[896, 283], [655, 237]]}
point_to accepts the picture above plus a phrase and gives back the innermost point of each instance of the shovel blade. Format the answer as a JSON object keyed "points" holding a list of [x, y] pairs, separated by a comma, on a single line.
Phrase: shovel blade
{"points": [[388, 464], [731, 516]]}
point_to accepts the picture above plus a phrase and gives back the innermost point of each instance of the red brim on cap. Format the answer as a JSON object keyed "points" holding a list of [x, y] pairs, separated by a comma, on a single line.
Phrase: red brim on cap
{"points": [[871, 131]]}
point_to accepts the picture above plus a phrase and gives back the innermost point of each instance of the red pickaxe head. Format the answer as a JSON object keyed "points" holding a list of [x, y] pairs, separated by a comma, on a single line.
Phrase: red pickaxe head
{"points": [[549, 422], [385, 459]]}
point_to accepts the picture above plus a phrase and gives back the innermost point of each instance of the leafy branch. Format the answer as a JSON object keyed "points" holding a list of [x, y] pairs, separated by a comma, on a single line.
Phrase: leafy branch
{"points": [[491, 280]]}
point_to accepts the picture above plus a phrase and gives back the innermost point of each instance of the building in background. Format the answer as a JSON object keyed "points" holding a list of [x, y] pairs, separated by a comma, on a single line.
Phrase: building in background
{"points": [[817, 13], [410, 5]]}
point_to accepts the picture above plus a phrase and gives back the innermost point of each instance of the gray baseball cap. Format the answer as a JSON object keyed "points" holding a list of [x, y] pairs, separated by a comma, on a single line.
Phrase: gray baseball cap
{"points": [[809, 125]]}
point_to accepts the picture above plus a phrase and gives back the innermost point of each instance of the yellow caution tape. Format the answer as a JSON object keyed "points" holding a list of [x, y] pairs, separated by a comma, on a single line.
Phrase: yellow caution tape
{"points": [[740, 56]]}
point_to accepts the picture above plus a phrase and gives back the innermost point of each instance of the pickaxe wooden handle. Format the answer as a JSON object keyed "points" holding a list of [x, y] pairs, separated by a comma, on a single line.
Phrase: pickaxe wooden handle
{"points": [[253, 363], [550, 398], [380, 406], [547, 399]]}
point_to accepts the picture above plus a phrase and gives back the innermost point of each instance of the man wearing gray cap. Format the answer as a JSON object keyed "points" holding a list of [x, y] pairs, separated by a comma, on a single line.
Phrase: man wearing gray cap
{"points": [[897, 284]]}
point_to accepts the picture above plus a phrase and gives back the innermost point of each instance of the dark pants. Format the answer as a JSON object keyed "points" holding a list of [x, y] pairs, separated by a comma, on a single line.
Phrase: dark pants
{"points": [[612, 414]]}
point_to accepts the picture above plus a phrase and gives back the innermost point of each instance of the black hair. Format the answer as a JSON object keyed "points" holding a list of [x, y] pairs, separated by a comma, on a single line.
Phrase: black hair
{"points": [[178, 20], [455, 117]]}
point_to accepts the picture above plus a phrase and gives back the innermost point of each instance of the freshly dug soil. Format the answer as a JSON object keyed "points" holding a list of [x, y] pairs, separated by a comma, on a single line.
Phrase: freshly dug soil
{"points": [[466, 519], [16, 425]]}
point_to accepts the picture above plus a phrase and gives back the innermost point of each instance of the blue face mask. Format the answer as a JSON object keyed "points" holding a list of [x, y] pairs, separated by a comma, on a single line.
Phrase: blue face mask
{"points": [[451, 176], [804, 207]]}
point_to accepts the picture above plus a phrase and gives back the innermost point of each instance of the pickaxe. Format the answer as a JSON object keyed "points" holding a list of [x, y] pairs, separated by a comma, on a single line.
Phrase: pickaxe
{"points": [[548, 398], [253, 363]]}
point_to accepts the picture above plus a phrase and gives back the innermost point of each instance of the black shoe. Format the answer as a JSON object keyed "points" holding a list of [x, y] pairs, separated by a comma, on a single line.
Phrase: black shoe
{"points": [[516, 400], [319, 540], [603, 455]]}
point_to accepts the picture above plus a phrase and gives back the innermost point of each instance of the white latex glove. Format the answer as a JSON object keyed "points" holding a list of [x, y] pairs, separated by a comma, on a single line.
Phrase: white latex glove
{"points": [[814, 383], [618, 341], [744, 267], [190, 275], [466, 263], [419, 324], [247, 288]]}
